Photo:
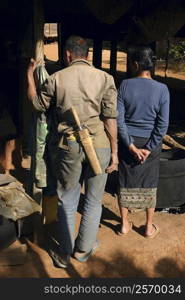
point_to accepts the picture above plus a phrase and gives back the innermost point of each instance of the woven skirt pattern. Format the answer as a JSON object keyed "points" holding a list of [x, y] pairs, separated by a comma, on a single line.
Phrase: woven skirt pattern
{"points": [[138, 182], [137, 198]]}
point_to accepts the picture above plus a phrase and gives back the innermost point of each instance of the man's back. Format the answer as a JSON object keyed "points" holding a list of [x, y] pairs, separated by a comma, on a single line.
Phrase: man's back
{"points": [[91, 91], [84, 87]]}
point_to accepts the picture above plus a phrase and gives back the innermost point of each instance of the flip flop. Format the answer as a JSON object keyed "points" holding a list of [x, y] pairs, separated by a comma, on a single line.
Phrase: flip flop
{"points": [[119, 232], [155, 232]]}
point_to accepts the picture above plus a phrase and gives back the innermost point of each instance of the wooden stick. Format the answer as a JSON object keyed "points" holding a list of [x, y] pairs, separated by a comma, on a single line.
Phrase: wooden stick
{"points": [[168, 139], [87, 144], [76, 118]]}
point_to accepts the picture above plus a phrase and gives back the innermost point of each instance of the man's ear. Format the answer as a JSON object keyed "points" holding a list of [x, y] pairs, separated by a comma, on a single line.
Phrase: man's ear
{"points": [[136, 65], [88, 56], [68, 56]]}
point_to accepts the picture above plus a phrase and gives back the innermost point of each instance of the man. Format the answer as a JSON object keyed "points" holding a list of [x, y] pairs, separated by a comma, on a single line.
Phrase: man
{"points": [[93, 94]]}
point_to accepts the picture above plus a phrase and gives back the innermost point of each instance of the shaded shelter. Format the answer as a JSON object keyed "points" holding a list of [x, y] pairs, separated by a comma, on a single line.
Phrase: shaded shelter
{"points": [[131, 22], [126, 21]]}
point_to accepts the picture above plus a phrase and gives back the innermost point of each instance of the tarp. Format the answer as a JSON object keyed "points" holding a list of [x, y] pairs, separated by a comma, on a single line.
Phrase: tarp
{"points": [[15, 203]]}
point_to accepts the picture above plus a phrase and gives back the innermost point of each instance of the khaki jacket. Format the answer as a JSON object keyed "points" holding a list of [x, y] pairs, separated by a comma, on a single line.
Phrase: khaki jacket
{"points": [[91, 91]]}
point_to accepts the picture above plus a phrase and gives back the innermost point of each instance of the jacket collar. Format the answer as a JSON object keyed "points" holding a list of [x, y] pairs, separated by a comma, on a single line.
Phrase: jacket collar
{"points": [[80, 61]]}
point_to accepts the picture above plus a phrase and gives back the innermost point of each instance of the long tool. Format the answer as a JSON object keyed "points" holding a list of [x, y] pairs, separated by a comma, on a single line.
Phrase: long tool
{"points": [[169, 140], [87, 144]]}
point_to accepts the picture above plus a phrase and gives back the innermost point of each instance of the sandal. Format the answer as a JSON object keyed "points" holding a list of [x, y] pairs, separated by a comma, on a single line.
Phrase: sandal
{"points": [[155, 232], [119, 231]]}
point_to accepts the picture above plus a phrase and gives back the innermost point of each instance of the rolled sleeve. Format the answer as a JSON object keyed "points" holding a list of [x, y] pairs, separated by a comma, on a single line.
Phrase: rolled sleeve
{"points": [[109, 101], [46, 94]]}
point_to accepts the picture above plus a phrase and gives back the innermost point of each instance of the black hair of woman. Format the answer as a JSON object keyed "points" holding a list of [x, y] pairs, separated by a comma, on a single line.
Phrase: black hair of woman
{"points": [[143, 57]]}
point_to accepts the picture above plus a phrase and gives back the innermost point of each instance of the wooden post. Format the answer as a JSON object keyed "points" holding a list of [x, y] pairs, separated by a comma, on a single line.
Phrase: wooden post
{"points": [[97, 53], [128, 71], [63, 34], [59, 43], [153, 47], [25, 52], [38, 41], [38, 28], [113, 57], [30, 45], [38, 34], [167, 58]]}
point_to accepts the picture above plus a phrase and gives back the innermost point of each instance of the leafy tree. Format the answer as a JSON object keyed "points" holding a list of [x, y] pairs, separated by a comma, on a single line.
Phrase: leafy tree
{"points": [[177, 50]]}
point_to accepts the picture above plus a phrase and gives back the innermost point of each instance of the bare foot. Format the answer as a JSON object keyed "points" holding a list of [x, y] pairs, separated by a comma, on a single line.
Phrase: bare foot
{"points": [[126, 227], [151, 231]]}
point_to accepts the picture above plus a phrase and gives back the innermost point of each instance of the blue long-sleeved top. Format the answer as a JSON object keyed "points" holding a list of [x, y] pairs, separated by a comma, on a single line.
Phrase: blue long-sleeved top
{"points": [[143, 111]]}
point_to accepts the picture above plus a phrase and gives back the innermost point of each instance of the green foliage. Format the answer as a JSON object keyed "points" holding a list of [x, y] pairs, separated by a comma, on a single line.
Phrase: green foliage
{"points": [[177, 50]]}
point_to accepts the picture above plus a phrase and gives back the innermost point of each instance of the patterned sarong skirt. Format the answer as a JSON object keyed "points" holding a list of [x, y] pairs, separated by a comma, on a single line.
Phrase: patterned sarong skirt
{"points": [[138, 182]]}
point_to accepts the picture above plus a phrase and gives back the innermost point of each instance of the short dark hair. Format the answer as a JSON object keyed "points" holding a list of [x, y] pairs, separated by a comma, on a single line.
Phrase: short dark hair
{"points": [[144, 56], [77, 45]]}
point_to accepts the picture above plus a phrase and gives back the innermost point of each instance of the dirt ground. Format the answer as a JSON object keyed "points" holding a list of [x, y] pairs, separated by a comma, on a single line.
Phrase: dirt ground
{"points": [[118, 256]]}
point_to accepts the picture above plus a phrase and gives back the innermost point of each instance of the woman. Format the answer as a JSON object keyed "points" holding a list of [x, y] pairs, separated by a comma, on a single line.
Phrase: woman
{"points": [[143, 117]]}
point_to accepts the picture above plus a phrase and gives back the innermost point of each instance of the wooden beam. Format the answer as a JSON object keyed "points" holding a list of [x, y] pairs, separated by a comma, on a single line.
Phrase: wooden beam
{"points": [[128, 71], [25, 53], [38, 27], [97, 53], [63, 34], [153, 47], [113, 57], [167, 58], [108, 11], [59, 43]]}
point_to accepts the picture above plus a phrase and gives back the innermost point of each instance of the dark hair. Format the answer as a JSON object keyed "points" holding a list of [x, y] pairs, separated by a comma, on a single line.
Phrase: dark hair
{"points": [[77, 45], [144, 56]]}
